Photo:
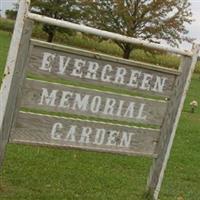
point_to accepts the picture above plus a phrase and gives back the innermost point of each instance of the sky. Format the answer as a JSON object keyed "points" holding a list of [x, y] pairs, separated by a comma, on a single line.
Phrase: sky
{"points": [[194, 28]]}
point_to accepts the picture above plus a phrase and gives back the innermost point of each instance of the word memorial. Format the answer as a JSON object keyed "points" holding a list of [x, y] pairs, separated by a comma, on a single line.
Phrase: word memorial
{"points": [[91, 101]]}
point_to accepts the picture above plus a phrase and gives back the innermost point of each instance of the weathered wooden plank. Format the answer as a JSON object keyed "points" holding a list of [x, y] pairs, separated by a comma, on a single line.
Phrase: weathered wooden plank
{"points": [[76, 100], [89, 135], [13, 74], [170, 123], [74, 64]]}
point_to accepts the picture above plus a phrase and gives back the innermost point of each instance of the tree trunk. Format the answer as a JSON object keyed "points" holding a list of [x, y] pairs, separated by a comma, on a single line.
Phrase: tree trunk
{"points": [[50, 37], [127, 52]]}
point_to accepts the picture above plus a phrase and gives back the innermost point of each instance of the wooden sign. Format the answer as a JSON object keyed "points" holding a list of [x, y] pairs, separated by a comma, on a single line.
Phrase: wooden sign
{"points": [[68, 63], [89, 135], [56, 97], [68, 99], [90, 111]]}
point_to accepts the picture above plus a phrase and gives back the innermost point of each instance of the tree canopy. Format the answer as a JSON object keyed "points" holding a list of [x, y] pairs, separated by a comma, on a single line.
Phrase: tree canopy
{"points": [[59, 9], [12, 13], [152, 20]]}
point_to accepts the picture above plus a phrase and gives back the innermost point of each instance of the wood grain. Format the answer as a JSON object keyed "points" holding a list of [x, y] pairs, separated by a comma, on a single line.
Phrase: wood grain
{"points": [[13, 74], [37, 129], [125, 108], [141, 70], [170, 123]]}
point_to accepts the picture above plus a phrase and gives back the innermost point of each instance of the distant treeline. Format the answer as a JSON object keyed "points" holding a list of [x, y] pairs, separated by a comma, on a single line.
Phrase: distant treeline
{"points": [[95, 44]]}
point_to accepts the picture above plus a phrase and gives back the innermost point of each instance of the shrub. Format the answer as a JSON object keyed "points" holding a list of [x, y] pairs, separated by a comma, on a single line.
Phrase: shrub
{"points": [[6, 25]]}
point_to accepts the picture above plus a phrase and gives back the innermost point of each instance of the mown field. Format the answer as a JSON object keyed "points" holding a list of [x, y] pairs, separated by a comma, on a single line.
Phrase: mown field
{"points": [[40, 173]]}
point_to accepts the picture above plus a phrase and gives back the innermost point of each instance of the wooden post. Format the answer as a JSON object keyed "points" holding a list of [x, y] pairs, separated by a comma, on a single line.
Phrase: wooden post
{"points": [[13, 73], [168, 128]]}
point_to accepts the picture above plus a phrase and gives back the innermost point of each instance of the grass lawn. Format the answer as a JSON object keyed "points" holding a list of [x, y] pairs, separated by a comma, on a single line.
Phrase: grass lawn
{"points": [[40, 173]]}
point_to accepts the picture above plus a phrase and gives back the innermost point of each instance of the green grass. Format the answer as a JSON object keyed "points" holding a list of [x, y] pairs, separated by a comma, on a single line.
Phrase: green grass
{"points": [[182, 177], [41, 173], [4, 46]]}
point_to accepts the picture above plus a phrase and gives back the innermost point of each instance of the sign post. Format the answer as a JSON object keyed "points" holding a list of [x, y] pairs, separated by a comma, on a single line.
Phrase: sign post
{"points": [[170, 123], [13, 74], [79, 113]]}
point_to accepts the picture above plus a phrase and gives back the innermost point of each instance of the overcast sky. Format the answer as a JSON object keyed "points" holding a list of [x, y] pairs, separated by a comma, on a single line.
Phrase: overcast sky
{"points": [[194, 29]]}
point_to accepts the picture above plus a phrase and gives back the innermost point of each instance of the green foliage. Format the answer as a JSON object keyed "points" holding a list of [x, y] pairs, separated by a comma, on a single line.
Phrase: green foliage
{"points": [[4, 45], [145, 19], [6, 25], [59, 9], [11, 14]]}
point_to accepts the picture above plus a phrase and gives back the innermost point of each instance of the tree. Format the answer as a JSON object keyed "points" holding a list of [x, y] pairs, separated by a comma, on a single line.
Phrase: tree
{"points": [[12, 13], [152, 20], [59, 9]]}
